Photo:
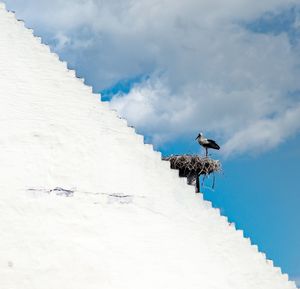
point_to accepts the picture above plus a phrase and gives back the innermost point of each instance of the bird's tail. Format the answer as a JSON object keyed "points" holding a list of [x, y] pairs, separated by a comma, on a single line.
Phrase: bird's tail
{"points": [[215, 146]]}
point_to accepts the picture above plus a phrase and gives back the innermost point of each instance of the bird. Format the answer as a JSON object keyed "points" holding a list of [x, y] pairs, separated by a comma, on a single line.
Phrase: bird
{"points": [[207, 143]]}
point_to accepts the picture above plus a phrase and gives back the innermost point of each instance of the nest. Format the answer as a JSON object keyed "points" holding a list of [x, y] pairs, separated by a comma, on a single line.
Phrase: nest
{"points": [[192, 166]]}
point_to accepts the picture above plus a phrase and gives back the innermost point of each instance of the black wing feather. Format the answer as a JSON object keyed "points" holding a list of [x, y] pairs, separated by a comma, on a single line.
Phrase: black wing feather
{"points": [[212, 144]]}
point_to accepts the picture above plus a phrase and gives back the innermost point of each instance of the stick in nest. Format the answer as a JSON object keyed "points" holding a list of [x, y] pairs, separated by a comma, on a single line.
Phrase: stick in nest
{"points": [[191, 166]]}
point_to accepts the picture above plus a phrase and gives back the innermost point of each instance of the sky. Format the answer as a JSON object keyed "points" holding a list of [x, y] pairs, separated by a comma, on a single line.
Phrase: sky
{"points": [[173, 68]]}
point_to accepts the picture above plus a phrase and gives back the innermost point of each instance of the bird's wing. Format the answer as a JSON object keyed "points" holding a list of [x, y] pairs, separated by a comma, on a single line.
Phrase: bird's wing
{"points": [[213, 144], [211, 141]]}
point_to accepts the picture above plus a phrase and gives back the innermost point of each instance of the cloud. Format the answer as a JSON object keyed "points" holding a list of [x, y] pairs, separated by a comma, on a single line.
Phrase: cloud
{"points": [[265, 133], [204, 70]]}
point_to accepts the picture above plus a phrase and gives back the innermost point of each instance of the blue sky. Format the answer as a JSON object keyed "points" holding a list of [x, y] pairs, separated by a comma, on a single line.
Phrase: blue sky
{"points": [[173, 68]]}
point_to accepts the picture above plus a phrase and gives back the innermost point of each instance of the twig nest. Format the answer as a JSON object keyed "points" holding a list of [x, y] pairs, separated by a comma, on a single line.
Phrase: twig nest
{"points": [[191, 166]]}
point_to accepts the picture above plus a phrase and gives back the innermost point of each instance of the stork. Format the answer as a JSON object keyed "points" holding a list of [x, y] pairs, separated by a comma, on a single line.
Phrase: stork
{"points": [[207, 143]]}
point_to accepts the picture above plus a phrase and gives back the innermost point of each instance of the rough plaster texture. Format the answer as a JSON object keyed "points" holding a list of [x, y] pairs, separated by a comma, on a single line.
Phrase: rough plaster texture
{"points": [[85, 203]]}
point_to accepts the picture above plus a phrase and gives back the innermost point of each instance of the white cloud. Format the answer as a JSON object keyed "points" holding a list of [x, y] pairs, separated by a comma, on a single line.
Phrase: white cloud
{"points": [[265, 133], [62, 41], [205, 72]]}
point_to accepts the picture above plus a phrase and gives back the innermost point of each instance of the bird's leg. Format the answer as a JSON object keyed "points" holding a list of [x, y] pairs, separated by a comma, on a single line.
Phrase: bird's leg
{"points": [[206, 152]]}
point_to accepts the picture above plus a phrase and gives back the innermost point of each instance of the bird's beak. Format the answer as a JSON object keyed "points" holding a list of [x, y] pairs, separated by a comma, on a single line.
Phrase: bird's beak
{"points": [[196, 138]]}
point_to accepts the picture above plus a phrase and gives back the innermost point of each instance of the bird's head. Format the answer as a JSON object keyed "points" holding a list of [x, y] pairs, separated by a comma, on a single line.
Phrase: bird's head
{"points": [[199, 135]]}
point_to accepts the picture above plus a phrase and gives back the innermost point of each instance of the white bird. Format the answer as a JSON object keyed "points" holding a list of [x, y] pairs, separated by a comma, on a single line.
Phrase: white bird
{"points": [[207, 143]]}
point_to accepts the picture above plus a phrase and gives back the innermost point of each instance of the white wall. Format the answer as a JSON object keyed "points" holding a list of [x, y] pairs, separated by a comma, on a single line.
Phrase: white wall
{"points": [[157, 234]]}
